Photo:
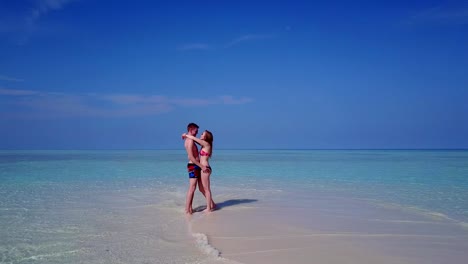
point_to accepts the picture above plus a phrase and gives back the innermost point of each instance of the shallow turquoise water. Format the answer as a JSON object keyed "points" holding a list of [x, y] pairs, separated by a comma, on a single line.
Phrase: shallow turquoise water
{"points": [[431, 180], [52, 200], [434, 180]]}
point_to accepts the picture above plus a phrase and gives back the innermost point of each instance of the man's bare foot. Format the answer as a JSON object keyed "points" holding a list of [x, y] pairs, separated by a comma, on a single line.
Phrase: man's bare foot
{"points": [[207, 210]]}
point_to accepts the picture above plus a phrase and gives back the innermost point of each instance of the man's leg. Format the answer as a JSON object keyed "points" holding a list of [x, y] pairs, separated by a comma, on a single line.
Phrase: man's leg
{"points": [[200, 186], [190, 193], [194, 174]]}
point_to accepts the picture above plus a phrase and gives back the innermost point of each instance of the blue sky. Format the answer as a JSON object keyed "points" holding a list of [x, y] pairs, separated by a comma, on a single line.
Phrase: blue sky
{"points": [[83, 74]]}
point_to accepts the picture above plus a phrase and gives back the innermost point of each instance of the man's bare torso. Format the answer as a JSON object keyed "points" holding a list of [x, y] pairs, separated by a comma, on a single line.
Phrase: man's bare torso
{"points": [[194, 149]]}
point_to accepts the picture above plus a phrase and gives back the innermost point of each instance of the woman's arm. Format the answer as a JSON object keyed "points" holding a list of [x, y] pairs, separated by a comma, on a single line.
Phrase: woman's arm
{"points": [[199, 141]]}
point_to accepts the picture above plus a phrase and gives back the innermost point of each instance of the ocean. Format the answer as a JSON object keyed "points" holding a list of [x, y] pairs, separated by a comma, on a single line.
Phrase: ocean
{"points": [[274, 206]]}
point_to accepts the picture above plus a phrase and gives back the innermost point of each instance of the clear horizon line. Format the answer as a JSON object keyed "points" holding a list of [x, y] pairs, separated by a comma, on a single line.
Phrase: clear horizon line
{"points": [[100, 149]]}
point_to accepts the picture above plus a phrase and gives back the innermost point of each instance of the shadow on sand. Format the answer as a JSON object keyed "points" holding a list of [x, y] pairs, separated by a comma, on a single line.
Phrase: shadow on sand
{"points": [[226, 203]]}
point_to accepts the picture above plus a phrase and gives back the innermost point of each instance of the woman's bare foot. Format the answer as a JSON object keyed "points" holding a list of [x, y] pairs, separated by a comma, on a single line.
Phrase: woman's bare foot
{"points": [[207, 210]]}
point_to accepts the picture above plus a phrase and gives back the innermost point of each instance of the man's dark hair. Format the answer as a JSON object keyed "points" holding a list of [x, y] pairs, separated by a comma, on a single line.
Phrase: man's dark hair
{"points": [[191, 125]]}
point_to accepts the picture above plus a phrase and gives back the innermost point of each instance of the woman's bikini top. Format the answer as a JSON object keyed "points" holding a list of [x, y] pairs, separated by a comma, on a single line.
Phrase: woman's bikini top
{"points": [[204, 153]]}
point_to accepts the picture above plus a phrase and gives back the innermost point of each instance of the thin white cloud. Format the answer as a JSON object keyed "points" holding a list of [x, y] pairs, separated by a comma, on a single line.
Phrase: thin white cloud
{"points": [[69, 106], [441, 15], [227, 99], [247, 38], [14, 92], [22, 24], [127, 99], [234, 42], [194, 46], [193, 101], [10, 79], [45, 6], [32, 104]]}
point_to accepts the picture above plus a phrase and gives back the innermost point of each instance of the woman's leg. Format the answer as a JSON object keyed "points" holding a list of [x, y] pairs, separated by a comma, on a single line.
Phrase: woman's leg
{"points": [[190, 193], [202, 190], [205, 179]]}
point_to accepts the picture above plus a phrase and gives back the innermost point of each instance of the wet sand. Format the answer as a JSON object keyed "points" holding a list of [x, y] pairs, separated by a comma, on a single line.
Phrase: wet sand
{"points": [[327, 229]]}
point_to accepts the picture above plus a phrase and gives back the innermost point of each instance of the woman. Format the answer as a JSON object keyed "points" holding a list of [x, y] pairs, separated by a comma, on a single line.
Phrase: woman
{"points": [[206, 142]]}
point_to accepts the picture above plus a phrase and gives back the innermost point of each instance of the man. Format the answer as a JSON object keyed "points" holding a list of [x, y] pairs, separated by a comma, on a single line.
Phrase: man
{"points": [[194, 167]]}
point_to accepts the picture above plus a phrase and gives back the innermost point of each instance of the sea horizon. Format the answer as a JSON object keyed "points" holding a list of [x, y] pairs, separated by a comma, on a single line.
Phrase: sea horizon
{"points": [[98, 149]]}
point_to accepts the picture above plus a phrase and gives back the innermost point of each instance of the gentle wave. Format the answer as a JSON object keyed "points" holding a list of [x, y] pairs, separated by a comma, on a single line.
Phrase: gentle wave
{"points": [[436, 216], [204, 245]]}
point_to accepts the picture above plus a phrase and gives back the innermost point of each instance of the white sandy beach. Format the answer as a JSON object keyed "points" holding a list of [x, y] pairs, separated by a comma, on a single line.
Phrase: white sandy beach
{"points": [[329, 229]]}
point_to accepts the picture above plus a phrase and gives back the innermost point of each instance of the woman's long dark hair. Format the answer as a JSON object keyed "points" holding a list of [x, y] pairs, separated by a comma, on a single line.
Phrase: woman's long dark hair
{"points": [[209, 139]]}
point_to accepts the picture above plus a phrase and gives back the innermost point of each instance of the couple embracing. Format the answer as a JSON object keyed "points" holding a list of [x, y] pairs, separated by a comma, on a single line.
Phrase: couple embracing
{"points": [[198, 166]]}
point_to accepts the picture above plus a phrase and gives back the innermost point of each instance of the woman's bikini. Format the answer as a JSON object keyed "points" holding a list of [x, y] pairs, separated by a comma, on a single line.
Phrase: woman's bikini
{"points": [[206, 154]]}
